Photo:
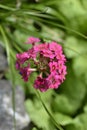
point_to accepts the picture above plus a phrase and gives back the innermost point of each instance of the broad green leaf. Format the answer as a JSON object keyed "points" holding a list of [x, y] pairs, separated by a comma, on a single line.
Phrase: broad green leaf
{"points": [[72, 94], [74, 126], [84, 4], [74, 47], [80, 67], [62, 104], [37, 113], [35, 128], [85, 108], [74, 11], [62, 118], [79, 123], [46, 97], [71, 8]]}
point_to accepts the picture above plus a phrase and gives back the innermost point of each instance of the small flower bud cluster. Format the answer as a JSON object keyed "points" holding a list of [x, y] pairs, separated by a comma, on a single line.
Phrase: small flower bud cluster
{"points": [[47, 59]]}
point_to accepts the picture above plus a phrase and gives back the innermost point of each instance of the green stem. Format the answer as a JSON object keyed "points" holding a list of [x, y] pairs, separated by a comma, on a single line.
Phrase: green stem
{"points": [[15, 45], [22, 12], [7, 8], [63, 27], [9, 53], [6, 43], [48, 112]]}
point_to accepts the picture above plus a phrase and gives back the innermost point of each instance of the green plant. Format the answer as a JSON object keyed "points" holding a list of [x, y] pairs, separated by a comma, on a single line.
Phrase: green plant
{"points": [[62, 21]]}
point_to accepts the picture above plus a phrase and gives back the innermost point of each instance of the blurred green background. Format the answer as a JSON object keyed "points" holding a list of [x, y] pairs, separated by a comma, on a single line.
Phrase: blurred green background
{"points": [[64, 21]]}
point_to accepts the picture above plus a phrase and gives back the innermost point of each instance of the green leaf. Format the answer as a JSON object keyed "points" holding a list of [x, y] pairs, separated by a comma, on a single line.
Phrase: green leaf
{"points": [[72, 94], [74, 47], [35, 128], [62, 118], [74, 126], [71, 8], [80, 67], [85, 108], [46, 97], [79, 123], [57, 105], [82, 119], [37, 114], [75, 13]]}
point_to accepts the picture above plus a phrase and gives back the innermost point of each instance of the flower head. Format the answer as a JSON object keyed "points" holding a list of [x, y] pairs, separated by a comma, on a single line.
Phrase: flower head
{"points": [[32, 40], [47, 59], [41, 83], [25, 72]]}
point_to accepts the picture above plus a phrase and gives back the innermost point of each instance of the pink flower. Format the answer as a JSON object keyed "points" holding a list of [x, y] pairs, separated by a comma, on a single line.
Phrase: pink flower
{"points": [[63, 73], [60, 57], [41, 47], [32, 40], [44, 50], [53, 66], [17, 65], [47, 53], [60, 66], [47, 59], [22, 57], [41, 83], [53, 46], [54, 80], [32, 53], [25, 72]]}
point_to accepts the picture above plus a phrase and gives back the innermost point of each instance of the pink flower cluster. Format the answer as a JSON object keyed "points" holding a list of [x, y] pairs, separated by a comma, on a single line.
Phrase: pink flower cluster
{"points": [[47, 59]]}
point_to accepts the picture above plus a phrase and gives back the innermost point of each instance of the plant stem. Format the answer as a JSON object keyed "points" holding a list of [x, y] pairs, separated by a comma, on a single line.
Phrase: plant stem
{"points": [[48, 112], [9, 63]]}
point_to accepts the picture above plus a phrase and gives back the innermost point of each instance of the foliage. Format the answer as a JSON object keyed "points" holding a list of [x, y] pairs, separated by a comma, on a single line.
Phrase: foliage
{"points": [[64, 21]]}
